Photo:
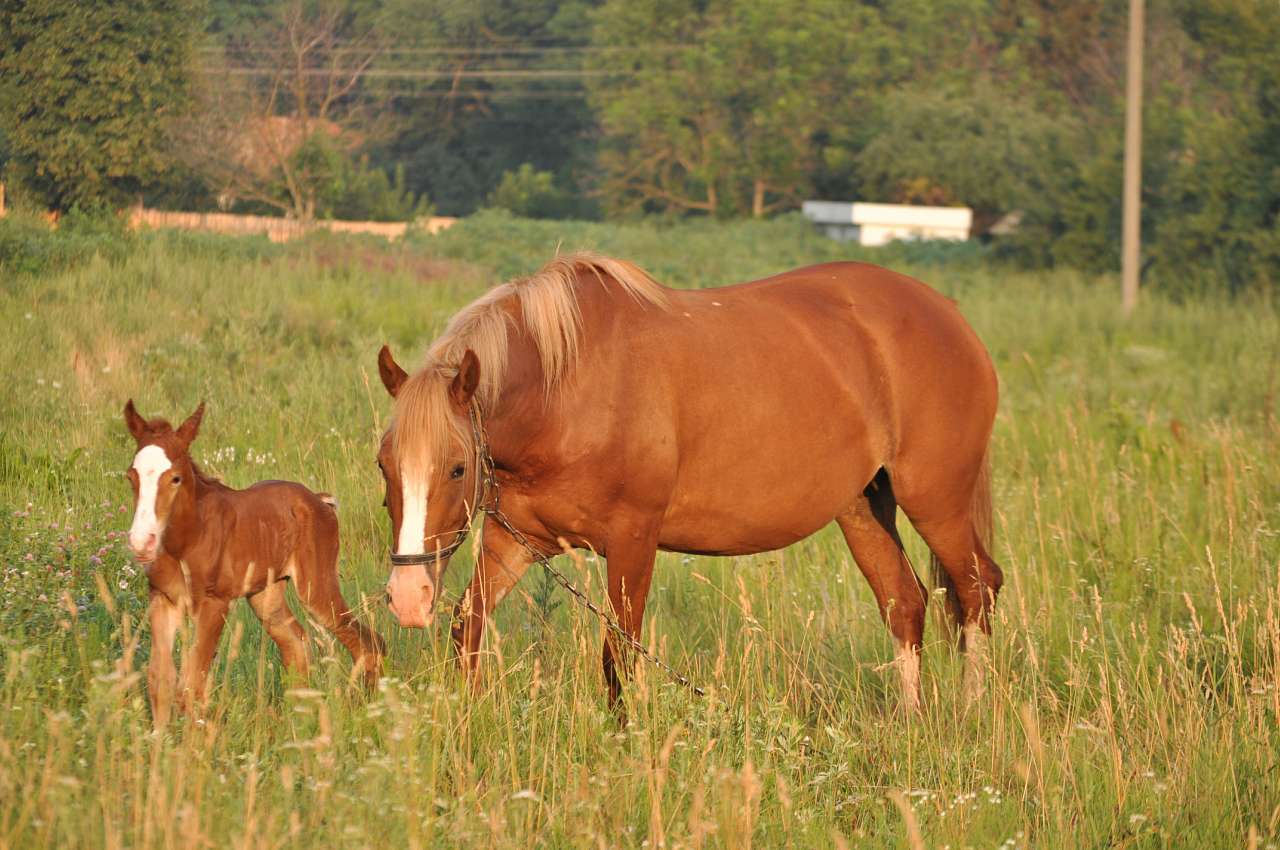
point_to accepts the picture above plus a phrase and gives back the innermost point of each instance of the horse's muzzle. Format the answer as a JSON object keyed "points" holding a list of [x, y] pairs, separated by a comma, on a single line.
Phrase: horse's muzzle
{"points": [[411, 595]]}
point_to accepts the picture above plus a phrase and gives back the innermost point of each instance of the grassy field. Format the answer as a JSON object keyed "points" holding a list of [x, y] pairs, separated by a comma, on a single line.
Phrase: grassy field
{"points": [[1134, 693]]}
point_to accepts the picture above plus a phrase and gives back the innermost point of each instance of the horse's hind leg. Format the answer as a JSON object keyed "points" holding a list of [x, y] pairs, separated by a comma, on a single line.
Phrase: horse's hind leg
{"points": [[273, 610], [316, 579], [945, 517], [869, 529]]}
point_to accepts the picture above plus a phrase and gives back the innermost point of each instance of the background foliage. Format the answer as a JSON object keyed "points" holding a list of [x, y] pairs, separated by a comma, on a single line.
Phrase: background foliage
{"points": [[87, 95], [721, 108]]}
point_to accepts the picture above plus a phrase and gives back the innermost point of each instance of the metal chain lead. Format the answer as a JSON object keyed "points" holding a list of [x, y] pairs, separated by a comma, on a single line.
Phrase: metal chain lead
{"points": [[487, 483], [604, 616]]}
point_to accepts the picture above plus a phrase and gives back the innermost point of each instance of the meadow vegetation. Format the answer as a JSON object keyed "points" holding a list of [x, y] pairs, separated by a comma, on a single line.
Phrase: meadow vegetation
{"points": [[1134, 689]]}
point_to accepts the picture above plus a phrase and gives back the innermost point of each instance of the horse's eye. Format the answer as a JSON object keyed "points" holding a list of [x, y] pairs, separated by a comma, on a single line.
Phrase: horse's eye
{"points": [[176, 480], [457, 472]]}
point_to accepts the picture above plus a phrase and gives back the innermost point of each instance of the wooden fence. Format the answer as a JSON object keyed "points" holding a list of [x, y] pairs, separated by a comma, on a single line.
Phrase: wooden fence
{"points": [[278, 229]]}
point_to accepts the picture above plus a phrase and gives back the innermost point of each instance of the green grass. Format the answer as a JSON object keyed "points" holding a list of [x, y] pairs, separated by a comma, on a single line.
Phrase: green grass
{"points": [[1133, 696]]}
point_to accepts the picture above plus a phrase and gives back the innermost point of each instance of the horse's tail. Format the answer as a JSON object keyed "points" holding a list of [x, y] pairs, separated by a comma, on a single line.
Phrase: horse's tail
{"points": [[980, 506], [982, 517]]}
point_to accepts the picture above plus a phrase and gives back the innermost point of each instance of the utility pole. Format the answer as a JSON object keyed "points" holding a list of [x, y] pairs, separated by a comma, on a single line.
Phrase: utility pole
{"points": [[1132, 229]]}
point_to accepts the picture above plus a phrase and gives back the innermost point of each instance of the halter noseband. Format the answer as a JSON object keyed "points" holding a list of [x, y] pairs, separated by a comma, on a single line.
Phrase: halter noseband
{"points": [[484, 483]]}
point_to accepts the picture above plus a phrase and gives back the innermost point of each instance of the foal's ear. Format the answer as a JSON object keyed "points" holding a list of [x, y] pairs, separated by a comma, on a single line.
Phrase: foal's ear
{"points": [[187, 430], [465, 382], [393, 377], [136, 424]]}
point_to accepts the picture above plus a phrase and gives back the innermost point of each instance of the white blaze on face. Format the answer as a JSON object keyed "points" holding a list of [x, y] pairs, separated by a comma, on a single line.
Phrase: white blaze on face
{"points": [[149, 463], [413, 517]]}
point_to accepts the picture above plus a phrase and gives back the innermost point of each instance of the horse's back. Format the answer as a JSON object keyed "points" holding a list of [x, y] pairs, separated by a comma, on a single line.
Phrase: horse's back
{"points": [[286, 524], [769, 405]]}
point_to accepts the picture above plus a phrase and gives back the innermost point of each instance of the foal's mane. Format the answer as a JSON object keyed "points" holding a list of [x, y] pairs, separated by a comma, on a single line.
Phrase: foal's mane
{"points": [[548, 314]]}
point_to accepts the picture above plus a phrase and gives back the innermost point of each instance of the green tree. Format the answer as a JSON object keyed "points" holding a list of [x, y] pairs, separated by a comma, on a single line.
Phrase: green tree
{"points": [[530, 193], [723, 112], [970, 145], [88, 92]]}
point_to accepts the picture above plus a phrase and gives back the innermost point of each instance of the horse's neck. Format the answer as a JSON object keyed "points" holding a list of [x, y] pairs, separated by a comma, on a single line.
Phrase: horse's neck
{"points": [[189, 521], [521, 408]]}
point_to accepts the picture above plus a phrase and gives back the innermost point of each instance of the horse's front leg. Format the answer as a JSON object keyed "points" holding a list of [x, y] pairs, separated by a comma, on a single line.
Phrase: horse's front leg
{"points": [[162, 673], [630, 559], [210, 617], [502, 563]]}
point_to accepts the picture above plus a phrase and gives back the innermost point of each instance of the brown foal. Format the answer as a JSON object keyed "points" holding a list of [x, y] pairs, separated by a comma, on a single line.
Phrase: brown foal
{"points": [[627, 417], [204, 544]]}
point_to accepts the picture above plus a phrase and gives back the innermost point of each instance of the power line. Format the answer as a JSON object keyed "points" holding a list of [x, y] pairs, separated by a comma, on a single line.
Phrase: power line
{"points": [[423, 73], [463, 51]]}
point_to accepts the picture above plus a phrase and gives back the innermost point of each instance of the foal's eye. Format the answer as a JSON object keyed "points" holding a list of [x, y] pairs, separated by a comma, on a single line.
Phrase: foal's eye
{"points": [[176, 480], [457, 472]]}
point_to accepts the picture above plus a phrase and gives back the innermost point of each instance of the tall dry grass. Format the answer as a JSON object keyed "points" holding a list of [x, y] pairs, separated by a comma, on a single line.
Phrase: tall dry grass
{"points": [[1133, 695]]}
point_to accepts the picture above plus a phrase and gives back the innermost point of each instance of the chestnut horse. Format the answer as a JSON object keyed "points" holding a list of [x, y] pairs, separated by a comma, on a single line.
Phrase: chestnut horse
{"points": [[205, 544], [627, 417]]}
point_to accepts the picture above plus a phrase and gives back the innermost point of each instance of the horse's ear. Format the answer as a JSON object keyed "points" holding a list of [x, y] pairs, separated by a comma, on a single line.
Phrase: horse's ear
{"points": [[393, 377], [465, 382], [136, 424], [187, 430]]}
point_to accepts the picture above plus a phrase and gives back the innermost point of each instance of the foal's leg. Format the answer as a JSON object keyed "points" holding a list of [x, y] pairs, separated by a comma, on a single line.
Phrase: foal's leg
{"points": [[273, 610], [317, 583], [502, 563], [630, 571], [162, 672], [210, 617], [872, 535]]}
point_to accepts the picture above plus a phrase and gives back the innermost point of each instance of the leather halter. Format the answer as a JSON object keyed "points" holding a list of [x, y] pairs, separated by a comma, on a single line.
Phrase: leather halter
{"points": [[484, 484]]}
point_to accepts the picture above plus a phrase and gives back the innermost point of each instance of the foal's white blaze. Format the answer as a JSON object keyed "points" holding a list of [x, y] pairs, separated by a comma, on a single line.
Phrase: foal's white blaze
{"points": [[149, 463]]}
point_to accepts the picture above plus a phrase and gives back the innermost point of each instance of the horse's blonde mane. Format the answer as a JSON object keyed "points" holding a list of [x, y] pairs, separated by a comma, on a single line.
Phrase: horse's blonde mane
{"points": [[423, 424]]}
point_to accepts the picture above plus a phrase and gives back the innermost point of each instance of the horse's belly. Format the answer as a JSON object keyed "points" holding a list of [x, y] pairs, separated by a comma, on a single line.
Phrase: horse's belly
{"points": [[745, 510]]}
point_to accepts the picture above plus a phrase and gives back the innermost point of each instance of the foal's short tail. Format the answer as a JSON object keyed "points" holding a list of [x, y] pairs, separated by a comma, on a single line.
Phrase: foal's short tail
{"points": [[981, 516]]}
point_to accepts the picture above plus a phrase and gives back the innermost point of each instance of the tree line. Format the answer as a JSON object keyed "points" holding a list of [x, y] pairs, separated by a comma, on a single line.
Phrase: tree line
{"points": [[614, 108]]}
